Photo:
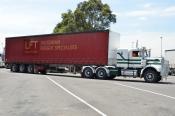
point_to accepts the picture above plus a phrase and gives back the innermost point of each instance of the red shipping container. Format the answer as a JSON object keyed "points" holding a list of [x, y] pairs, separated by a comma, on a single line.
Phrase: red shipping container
{"points": [[88, 48]]}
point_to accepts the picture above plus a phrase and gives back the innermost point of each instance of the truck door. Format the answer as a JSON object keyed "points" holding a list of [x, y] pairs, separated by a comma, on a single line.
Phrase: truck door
{"points": [[135, 59], [122, 58]]}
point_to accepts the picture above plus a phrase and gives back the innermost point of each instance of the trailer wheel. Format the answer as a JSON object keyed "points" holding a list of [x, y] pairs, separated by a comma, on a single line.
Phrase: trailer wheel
{"points": [[101, 73], [14, 68], [22, 68], [30, 69], [88, 72], [151, 76]]}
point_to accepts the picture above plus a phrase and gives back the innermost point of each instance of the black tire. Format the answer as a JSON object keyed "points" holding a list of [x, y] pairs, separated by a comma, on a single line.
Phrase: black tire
{"points": [[14, 68], [30, 69], [151, 76], [88, 73], [22, 68], [101, 73], [159, 78]]}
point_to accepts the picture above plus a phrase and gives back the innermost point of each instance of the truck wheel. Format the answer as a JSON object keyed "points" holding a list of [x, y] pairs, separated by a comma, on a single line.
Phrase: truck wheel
{"points": [[151, 76], [14, 68], [22, 68], [30, 69], [88, 73], [159, 78], [101, 73]]}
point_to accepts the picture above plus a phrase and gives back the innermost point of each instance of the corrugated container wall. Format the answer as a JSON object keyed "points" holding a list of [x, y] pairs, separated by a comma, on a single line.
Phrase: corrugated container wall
{"points": [[72, 48]]}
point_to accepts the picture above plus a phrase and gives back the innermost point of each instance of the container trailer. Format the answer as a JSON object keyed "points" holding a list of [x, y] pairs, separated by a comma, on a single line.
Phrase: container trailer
{"points": [[96, 54]]}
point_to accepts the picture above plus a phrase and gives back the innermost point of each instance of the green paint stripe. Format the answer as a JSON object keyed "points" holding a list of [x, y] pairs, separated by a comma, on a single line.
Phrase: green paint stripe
{"points": [[156, 60], [152, 62], [134, 63], [137, 63], [128, 63], [129, 59], [155, 63]]}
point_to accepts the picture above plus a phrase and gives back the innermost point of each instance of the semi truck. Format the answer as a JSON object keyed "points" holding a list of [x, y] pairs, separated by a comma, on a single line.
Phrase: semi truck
{"points": [[94, 54], [170, 57]]}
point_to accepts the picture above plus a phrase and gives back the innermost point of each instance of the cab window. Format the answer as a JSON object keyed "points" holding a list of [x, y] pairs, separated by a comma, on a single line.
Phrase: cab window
{"points": [[135, 54]]}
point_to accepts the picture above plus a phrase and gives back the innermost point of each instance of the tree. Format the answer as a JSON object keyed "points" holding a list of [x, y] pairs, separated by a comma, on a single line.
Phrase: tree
{"points": [[89, 15], [67, 24]]}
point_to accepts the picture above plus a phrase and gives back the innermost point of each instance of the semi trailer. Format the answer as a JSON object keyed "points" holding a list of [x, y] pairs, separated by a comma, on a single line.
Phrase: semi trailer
{"points": [[94, 54]]}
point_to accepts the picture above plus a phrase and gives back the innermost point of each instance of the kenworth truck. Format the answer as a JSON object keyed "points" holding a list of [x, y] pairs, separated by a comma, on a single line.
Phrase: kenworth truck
{"points": [[93, 54]]}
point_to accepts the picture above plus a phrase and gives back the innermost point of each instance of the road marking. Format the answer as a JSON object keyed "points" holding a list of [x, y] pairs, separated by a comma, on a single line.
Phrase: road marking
{"points": [[144, 90], [80, 99]]}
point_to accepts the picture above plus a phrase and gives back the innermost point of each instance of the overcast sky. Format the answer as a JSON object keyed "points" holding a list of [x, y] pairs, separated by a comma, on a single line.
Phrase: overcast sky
{"points": [[142, 20]]}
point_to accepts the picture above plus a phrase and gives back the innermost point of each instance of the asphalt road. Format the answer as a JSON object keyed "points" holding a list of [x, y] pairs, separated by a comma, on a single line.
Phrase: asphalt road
{"points": [[59, 95]]}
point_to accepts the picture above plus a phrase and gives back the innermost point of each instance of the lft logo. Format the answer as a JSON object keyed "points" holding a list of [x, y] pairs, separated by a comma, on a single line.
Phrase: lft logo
{"points": [[31, 46]]}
